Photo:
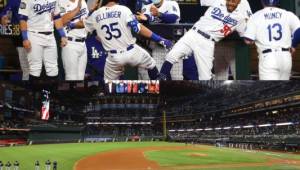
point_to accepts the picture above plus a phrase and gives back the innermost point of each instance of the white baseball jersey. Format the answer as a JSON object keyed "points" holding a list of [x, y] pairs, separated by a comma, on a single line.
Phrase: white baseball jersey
{"points": [[272, 28], [67, 6], [111, 25], [218, 22], [40, 14], [168, 7]]}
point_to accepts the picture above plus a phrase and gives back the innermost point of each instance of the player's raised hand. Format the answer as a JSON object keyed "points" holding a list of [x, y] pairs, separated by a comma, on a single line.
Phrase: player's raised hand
{"points": [[141, 16], [63, 42], [154, 11], [27, 45], [166, 43]]}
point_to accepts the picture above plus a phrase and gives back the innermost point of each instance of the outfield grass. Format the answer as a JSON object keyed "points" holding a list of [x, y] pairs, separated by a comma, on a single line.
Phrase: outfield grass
{"points": [[67, 154]]}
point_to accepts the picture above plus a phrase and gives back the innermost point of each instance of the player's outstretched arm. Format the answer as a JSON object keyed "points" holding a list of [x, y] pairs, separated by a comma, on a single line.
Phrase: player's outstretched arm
{"points": [[24, 32], [154, 37], [140, 29], [66, 18], [59, 27]]}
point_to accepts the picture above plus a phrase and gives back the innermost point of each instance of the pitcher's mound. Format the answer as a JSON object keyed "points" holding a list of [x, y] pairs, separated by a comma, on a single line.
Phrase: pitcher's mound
{"points": [[197, 154]]}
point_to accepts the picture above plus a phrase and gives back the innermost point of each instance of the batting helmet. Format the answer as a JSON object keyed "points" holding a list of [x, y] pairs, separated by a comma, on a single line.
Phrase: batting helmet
{"points": [[270, 2]]}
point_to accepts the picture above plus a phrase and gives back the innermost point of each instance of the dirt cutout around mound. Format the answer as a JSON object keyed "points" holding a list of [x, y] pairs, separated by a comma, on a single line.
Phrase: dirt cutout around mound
{"points": [[134, 159], [197, 154]]}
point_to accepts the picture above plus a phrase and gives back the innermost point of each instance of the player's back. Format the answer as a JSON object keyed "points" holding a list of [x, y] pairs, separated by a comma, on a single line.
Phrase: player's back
{"points": [[112, 27], [274, 27]]}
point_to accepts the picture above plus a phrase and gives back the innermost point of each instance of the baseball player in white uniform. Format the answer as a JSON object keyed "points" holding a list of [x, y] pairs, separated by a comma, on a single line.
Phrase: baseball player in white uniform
{"points": [[222, 18], [116, 27], [161, 11], [271, 29], [36, 22], [74, 55]]}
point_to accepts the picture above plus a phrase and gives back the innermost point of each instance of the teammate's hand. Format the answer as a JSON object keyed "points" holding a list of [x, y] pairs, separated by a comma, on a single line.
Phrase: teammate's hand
{"points": [[154, 11], [166, 43], [141, 17], [63, 42], [27, 45], [4, 20], [293, 51]]}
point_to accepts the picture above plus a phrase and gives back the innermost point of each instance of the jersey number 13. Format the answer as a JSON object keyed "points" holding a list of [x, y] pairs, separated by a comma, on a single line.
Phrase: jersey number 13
{"points": [[275, 32]]}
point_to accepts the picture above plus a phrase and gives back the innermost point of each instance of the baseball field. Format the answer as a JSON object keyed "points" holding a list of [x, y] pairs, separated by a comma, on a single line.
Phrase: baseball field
{"points": [[146, 156]]}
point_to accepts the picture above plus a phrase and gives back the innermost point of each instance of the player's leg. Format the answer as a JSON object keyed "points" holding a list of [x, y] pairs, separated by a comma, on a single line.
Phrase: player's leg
{"points": [[50, 59], [268, 67], [180, 49], [35, 56], [141, 58], [70, 55], [286, 65], [190, 71], [82, 62], [114, 67], [204, 56], [23, 62]]}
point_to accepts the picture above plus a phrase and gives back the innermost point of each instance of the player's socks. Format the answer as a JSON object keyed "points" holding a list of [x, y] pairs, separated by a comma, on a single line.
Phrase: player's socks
{"points": [[52, 78], [34, 78], [165, 71], [153, 73]]}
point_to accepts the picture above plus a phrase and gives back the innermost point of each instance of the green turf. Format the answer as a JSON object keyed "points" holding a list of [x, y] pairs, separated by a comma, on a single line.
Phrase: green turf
{"points": [[213, 156], [68, 154], [65, 154]]}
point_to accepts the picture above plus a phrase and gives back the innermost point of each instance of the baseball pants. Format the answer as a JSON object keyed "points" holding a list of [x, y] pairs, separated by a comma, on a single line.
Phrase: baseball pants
{"points": [[276, 65], [23, 62], [74, 57], [115, 62], [202, 48], [43, 50]]}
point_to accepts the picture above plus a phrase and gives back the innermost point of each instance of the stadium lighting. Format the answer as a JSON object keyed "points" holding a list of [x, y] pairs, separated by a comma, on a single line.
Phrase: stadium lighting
{"points": [[218, 128], [190, 130], [226, 128], [248, 126], [172, 130], [265, 125], [237, 127], [199, 129], [208, 129], [284, 124], [181, 130]]}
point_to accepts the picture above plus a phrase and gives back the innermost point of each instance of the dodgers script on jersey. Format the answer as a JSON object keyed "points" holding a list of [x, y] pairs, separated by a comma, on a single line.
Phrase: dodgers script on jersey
{"points": [[218, 22], [167, 7], [272, 28], [67, 6], [39, 13], [108, 22]]}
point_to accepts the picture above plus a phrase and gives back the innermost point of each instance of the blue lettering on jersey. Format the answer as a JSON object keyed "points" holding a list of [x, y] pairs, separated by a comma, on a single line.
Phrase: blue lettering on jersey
{"points": [[80, 14], [107, 15], [274, 15], [39, 8], [217, 14]]}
